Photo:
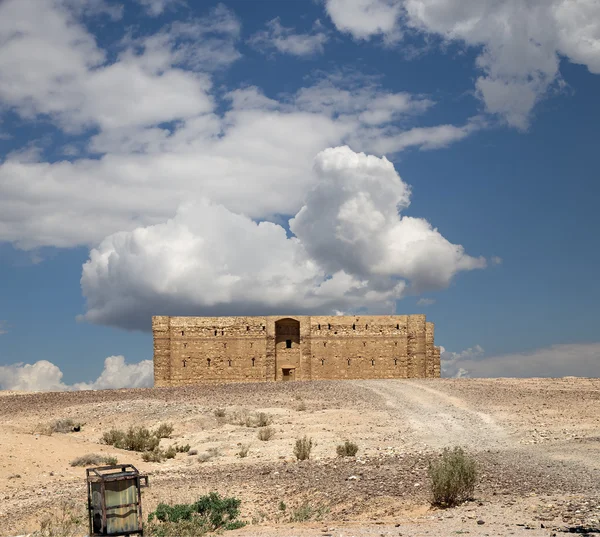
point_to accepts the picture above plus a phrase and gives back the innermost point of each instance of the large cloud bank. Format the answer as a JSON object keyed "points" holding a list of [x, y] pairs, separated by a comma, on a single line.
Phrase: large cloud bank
{"points": [[574, 359], [350, 249], [146, 128], [520, 42], [44, 376]]}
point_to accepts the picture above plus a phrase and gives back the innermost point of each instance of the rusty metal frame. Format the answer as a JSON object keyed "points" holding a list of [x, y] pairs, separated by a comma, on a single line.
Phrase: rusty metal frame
{"points": [[94, 475]]}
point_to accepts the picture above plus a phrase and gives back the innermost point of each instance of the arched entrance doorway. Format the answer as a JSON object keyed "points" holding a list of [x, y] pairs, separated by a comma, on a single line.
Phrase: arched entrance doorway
{"points": [[287, 349]]}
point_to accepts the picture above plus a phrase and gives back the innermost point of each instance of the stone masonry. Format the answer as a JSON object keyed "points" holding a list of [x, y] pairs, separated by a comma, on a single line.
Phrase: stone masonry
{"points": [[250, 349]]}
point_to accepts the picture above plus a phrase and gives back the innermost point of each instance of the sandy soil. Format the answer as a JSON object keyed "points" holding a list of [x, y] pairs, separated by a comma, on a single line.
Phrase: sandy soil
{"points": [[536, 441]]}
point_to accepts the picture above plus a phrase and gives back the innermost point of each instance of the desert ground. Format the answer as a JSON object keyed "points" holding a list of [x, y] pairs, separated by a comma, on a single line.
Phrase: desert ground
{"points": [[536, 443]]}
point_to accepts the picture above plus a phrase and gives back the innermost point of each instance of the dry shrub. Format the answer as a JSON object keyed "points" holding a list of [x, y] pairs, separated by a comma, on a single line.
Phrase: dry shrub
{"points": [[347, 449], [204, 457], [263, 419], [94, 459], [266, 433], [165, 430], [303, 448], [68, 521], [306, 511], [214, 451], [220, 413], [301, 407], [453, 478], [62, 425], [244, 418], [243, 452]]}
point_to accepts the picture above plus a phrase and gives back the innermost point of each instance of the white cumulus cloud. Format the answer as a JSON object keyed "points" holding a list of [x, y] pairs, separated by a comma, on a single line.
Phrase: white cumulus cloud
{"points": [[287, 41], [520, 43], [351, 249], [366, 18], [44, 376], [157, 132]]}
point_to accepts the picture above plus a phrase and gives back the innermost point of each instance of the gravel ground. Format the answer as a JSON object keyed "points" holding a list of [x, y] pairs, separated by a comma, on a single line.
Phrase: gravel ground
{"points": [[536, 442]]}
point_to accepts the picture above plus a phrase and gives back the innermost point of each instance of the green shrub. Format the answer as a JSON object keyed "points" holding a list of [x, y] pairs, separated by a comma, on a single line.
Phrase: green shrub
{"points": [[159, 455], [266, 433], [165, 430], [453, 478], [156, 455], [182, 449], [134, 439], [347, 449], [303, 448], [209, 514], [93, 459]]}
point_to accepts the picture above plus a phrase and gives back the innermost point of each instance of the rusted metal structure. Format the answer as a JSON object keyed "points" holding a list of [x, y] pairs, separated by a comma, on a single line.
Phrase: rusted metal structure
{"points": [[115, 500]]}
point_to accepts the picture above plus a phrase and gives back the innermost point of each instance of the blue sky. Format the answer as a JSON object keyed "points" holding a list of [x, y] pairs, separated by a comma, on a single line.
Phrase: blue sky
{"points": [[142, 142]]}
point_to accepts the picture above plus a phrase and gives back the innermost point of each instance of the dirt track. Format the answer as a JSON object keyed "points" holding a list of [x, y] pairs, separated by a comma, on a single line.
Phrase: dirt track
{"points": [[536, 442]]}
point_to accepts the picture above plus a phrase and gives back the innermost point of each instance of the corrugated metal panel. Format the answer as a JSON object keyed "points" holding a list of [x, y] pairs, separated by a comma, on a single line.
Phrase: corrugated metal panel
{"points": [[121, 519]]}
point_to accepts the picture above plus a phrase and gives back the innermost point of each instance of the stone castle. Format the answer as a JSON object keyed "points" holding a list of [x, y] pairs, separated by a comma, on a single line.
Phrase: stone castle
{"points": [[251, 349]]}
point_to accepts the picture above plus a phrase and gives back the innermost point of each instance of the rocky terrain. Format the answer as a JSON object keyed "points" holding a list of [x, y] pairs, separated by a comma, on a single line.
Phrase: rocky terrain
{"points": [[536, 442]]}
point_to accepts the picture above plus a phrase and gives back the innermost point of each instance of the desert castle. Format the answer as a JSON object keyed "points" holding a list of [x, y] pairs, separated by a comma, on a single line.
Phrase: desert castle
{"points": [[250, 349]]}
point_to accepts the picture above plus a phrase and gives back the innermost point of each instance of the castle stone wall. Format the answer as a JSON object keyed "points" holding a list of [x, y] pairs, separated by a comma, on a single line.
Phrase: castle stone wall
{"points": [[250, 349]]}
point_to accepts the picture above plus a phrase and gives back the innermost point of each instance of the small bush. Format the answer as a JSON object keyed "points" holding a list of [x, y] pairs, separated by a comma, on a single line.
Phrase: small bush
{"points": [[156, 455], [214, 451], [63, 425], [266, 433], [263, 419], [209, 514], [93, 459], [244, 419], [453, 478], [347, 449], [307, 512], [68, 521], [159, 455], [303, 448], [220, 413], [134, 439], [182, 449], [301, 407], [243, 452], [165, 430]]}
